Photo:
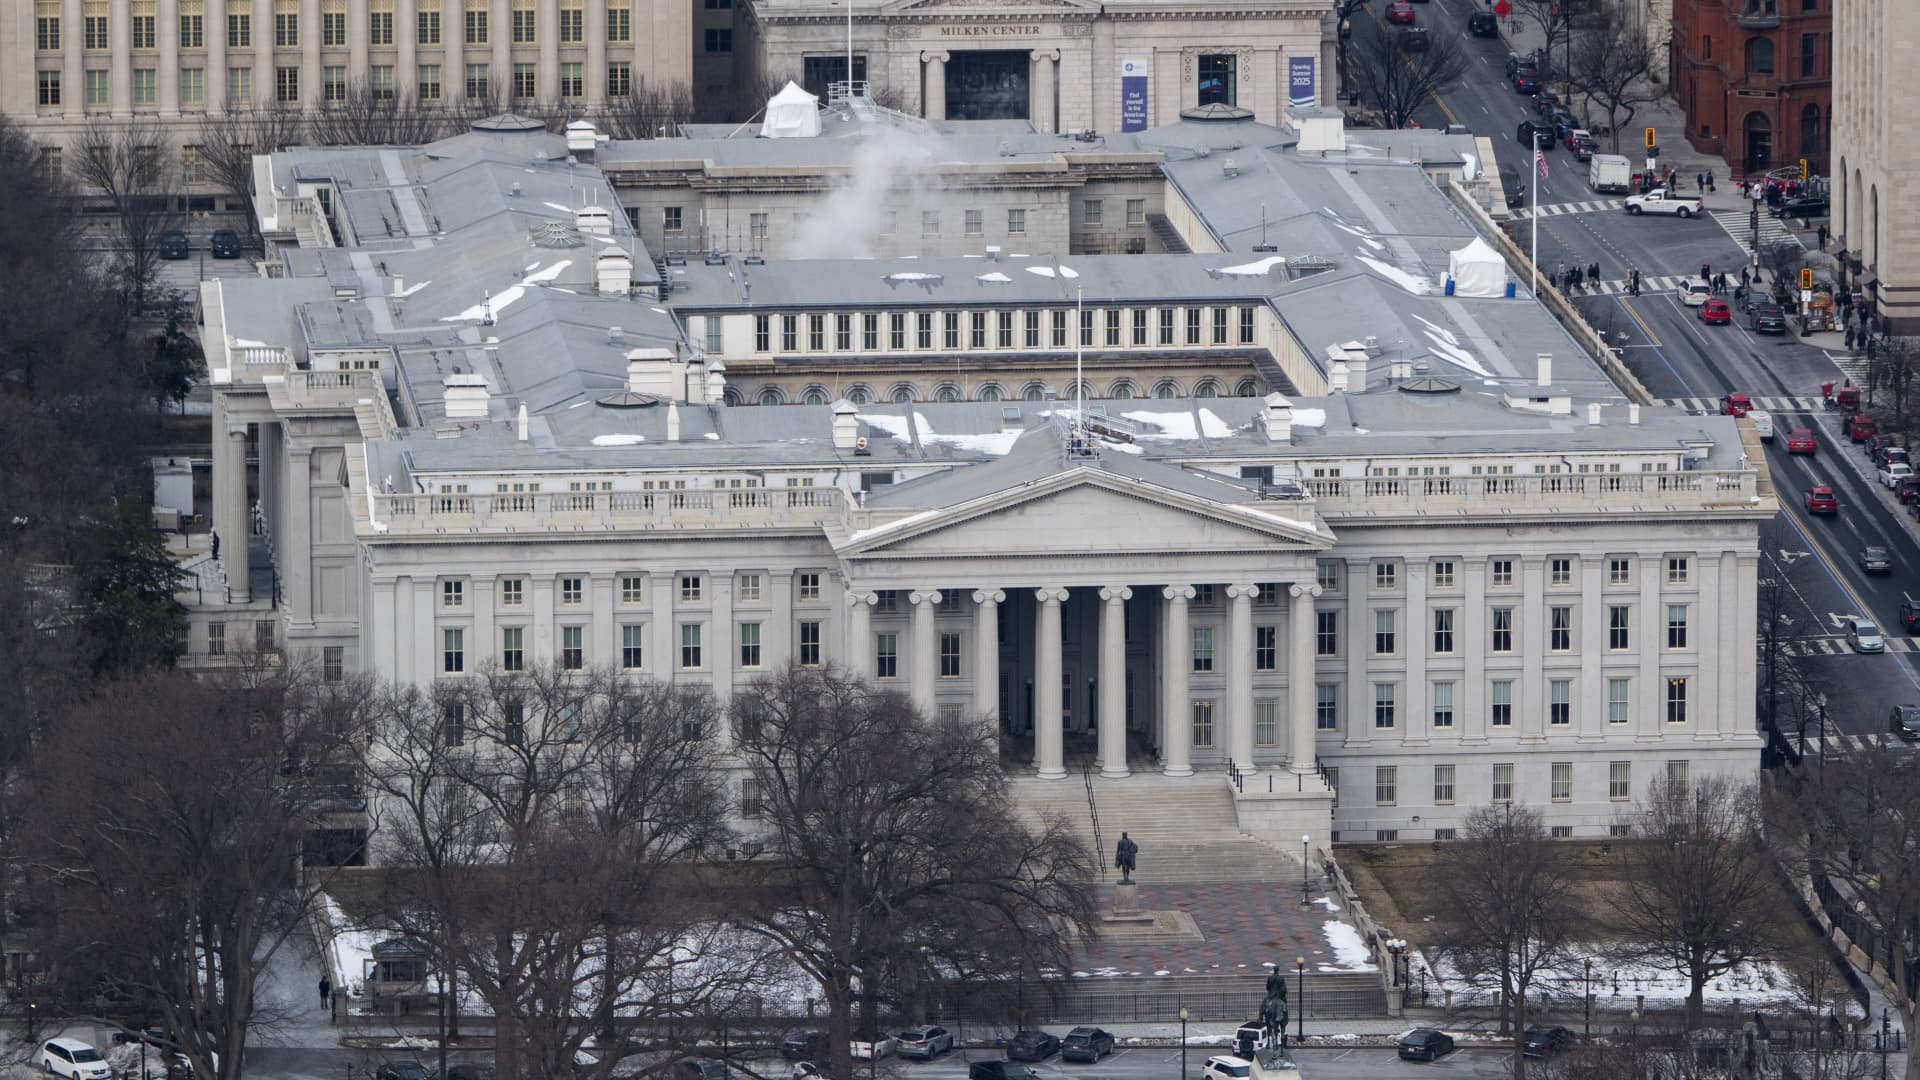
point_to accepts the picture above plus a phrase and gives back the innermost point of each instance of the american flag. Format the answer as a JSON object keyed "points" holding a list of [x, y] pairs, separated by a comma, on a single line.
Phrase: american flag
{"points": [[1540, 162]]}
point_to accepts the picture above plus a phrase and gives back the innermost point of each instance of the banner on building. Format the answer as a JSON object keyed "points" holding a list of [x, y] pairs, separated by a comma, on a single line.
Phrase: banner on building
{"points": [[1300, 93], [1133, 95]]}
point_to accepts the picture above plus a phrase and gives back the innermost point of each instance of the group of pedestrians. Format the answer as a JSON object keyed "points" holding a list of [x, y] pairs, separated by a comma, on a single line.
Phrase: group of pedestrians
{"points": [[1703, 181], [1572, 278]]}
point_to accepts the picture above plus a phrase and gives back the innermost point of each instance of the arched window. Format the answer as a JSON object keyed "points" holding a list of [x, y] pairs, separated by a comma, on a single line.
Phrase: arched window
{"points": [[859, 395], [1810, 131], [1034, 391], [902, 394], [1165, 389], [1207, 388], [1759, 56], [946, 392], [1075, 390], [992, 392], [733, 396], [1246, 388], [814, 396], [1121, 391], [770, 395]]}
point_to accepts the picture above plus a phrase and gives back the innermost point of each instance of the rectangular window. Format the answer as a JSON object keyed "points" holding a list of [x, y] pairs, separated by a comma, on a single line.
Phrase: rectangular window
{"points": [[1112, 326], [1561, 782], [633, 653], [1016, 223], [974, 222], [1677, 776], [809, 643], [1619, 571], [96, 87], [1136, 211], [1032, 332], [525, 83], [1265, 648], [476, 22], [333, 25], [1219, 326], [950, 330], [1003, 336], [523, 22], [1619, 627], [145, 86], [428, 88], [193, 24], [573, 23], [1620, 781], [1386, 576], [807, 586], [1383, 698], [620, 85], [816, 333], [870, 331], [1090, 211], [923, 330], [216, 639], [513, 656], [286, 26], [1502, 630], [239, 86], [1326, 633], [573, 655], [1617, 701], [1503, 783], [1560, 702], [1560, 571], [453, 594], [142, 26], [1326, 707], [1676, 626], [1139, 323], [1167, 326], [49, 87], [454, 724], [1443, 785], [1500, 574], [1246, 326], [513, 592], [929, 223], [1193, 326], [1386, 785], [572, 591], [95, 21], [427, 27], [333, 83], [1203, 723], [453, 651], [690, 588], [750, 801], [513, 723], [949, 656], [1443, 705], [1266, 722], [1809, 55], [886, 656], [239, 31], [1443, 631], [1203, 648], [46, 25], [1086, 328], [380, 82], [333, 663], [1560, 629], [1383, 636], [896, 331], [380, 22], [573, 79], [1500, 703], [690, 656], [286, 85], [1676, 699], [750, 645], [720, 41], [1443, 574], [843, 332], [620, 20], [1677, 570], [1059, 335]]}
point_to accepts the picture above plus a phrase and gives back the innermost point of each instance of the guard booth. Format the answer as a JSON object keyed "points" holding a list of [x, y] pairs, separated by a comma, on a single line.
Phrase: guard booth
{"points": [[396, 977]]}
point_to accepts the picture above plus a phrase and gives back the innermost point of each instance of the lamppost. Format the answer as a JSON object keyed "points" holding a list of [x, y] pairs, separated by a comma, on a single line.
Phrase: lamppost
{"points": [[1300, 1026], [1397, 948], [1586, 992], [1306, 860], [1821, 703], [1183, 1042]]}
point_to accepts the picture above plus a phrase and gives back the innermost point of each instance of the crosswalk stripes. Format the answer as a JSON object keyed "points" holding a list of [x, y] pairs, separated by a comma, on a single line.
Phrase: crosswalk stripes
{"points": [[1648, 284], [1767, 404], [1739, 226], [1589, 206], [1837, 646], [1853, 367]]}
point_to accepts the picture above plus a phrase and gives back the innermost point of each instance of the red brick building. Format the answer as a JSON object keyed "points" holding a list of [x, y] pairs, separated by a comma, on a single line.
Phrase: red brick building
{"points": [[1755, 79]]}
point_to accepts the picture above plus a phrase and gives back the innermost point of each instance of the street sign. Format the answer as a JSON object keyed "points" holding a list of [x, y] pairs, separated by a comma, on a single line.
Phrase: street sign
{"points": [[1806, 296], [1652, 141]]}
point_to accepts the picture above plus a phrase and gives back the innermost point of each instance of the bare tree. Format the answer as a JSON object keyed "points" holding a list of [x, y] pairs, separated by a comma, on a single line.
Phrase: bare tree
{"points": [[1704, 899], [371, 117], [129, 164], [1509, 897], [1556, 19], [897, 859], [544, 830], [651, 111], [1610, 63], [173, 878], [230, 139], [1400, 83], [1786, 621]]}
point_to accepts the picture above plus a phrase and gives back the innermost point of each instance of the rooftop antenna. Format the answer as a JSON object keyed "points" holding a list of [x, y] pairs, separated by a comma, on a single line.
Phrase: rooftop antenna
{"points": [[1263, 246]]}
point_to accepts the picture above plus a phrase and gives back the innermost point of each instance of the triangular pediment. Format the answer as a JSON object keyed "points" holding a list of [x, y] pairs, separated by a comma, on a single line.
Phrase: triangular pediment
{"points": [[1088, 512], [997, 9]]}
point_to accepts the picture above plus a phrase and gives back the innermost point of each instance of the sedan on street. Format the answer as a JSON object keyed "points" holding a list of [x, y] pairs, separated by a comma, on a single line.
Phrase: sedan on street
{"points": [[1876, 560], [1400, 11], [1425, 1044], [1086, 1044], [1800, 441], [1715, 312], [1032, 1046], [1893, 472], [1545, 1040], [1864, 637], [1904, 722], [1822, 500]]}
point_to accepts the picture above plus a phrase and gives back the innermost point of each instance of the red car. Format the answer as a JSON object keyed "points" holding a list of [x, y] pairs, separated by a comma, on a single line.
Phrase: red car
{"points": [[1716, 312], [1800, 441], [1821, 500], [1736, 405], [1862, 428], [1400, 11]]}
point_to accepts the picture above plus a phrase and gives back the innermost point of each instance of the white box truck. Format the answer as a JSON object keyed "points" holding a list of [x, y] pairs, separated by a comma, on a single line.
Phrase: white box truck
{"points": [[1610, 173]]}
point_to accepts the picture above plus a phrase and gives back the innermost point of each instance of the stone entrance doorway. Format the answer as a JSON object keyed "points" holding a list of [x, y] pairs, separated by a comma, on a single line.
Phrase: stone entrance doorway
{"points": [[989, 84]]}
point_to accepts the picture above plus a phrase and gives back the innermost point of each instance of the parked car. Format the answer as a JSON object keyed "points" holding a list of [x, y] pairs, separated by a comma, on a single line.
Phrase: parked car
{"points": [[1582, 144], [1400, 11], [1904, 721], [1715, 312], [1892, 473], [1907, 490], [1086, 1044], [925, 1042], [74, 1059], [1526, 81], [1517, 61], [1545, 102], [1425, 1044], [1802, 206], [1513, 185], [1768, 319], [1736, 404], [1034, 1045], [1762, 422], [806, 1044], [1800, 441], [1821, 500], [699, 1068], [1226, 1067], [808, 1070], [1886, 452], [1862, 428], [173, 245], [1483, 24], [1415, 39], [1910, 616], [1562, 122], [1000, 1070], [402, 1069], [1876, 560], [872, 1045], [224, 244], [1545, 1040], [1865, 637]]}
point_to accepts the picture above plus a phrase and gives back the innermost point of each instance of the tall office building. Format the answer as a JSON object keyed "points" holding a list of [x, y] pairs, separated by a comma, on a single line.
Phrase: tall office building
{"points": [[1874, 153]]}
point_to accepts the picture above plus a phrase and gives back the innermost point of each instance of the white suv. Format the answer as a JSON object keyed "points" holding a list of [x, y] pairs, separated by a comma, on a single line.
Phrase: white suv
{"points": [[75, 1059], [1225, 1067]]}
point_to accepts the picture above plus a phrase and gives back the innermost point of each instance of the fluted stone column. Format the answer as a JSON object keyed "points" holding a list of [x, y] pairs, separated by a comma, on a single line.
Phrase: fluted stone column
{"points": [[1046, 67], [453, 43], [73, 59], [936, 84], [406, 43], [232, 515], [262, 23], [546, 29], [294, 542], [167, 37], [1113, 680], [925, 665], [596, 30], [1049, 753], [1240, 675], [1178, 668], [986, 656], [860, 631], [500, 34], [215, 35], [1301, 757], [359, 40], [309, 54], [120, 71]]}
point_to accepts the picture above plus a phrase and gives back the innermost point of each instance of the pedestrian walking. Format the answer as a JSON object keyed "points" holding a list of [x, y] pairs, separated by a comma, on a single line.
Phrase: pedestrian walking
{"points": [[1700, 183], [326, 992], [1822, 233], [1593, 273], [1709, 181], [1633, 280], [1706, 272], [1849, 337], [216, 545], [1739, 295]]}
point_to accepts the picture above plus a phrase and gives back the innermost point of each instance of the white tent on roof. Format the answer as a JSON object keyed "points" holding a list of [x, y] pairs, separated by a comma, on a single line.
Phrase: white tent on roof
{"points": [[792, 114], [1477, 270]]}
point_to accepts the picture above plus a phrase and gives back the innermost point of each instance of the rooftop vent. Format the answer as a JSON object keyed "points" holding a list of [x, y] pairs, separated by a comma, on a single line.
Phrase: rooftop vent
{"points": [[1218, 113], [593, 219], [556, 234], [509, 123], [626, 399], [466, 396], [1429, 385]]}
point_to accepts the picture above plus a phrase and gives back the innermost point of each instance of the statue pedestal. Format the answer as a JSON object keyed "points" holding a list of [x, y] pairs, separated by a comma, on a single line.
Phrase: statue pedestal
{"points": [[1126, 906], [1274, 1064]]}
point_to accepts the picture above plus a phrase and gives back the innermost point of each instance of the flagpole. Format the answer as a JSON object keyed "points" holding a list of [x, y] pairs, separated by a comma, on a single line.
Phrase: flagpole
{"points": [[1533, 216], [1079, 340]]}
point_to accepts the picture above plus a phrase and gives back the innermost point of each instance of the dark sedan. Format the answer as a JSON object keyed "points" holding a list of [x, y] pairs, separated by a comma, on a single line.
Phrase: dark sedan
{"points": [[1032, 1046], [1545, 1040], [1802, 206], [1086, 1044], [1425, 1044], [1904, 721], [1876, 560], [1769, 319]]}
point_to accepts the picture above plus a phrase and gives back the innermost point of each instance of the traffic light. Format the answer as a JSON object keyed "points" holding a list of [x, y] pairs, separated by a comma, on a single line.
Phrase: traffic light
{"points": [[1806, 277], [1652, 141]]}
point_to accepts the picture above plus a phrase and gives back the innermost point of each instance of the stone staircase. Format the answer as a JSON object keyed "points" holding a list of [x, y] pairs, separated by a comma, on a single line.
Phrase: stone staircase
{"points": [[1186, 828]]}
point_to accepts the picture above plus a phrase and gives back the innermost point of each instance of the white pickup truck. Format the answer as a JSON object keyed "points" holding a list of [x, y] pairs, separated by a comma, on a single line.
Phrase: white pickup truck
{"points": [[1660, 201]]}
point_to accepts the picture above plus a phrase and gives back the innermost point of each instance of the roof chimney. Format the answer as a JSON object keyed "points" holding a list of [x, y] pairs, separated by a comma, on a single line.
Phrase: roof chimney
{"points": [[1337, 378], [523, 422], [1593, 414], [582, 140], [673, 421], [593, 219], [1279, 419], [613, 272], [1545, 360], [465, 396], [653, 371], [846, 425], [1633, 414]]}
